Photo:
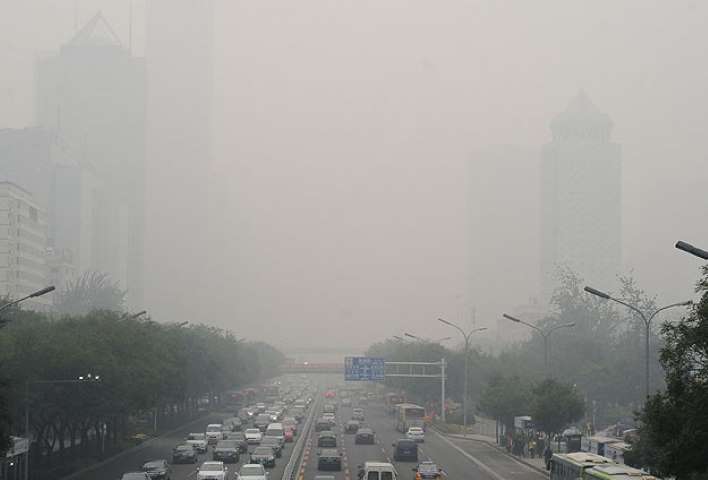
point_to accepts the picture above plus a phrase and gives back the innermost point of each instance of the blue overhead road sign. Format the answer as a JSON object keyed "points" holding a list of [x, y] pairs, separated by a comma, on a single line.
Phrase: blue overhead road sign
{"points": [[363, 368]]}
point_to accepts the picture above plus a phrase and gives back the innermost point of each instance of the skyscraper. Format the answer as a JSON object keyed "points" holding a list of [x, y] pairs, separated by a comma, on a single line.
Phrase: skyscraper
{"points": [[92, 94], [581, 190]]}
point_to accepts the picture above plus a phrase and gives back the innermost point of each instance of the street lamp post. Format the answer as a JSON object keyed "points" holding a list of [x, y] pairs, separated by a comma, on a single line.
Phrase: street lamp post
{"points": [[466, 336], [545, 334], [426, 340], [647, 319], [81, 379], [36, 294], [687, 247]]}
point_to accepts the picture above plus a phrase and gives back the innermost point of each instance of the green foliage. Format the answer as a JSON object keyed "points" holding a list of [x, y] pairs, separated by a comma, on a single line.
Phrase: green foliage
{"points": [[91, 291], [555, 405], [506, 397], [674, 423], [142, 365]]}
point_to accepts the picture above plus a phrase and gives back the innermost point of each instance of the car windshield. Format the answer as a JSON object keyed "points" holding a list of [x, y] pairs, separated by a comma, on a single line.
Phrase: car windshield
{"points": [[133, 476], [263, 451], [154, 465], [253, 431], [196, 436], [427, 468], [251, 470], [214, 428], [226, 444], [185, 448], [212, 467]]}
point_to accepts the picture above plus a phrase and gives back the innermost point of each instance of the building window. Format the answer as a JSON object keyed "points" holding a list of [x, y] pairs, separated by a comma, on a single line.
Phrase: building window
{"points": [[33, 214]]}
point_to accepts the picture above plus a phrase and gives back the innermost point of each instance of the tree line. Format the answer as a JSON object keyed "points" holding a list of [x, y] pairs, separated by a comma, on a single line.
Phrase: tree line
{"points": [[137, 367]]}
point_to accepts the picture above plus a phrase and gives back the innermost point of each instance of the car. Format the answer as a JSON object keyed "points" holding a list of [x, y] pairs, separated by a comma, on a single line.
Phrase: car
{"points": [[377, 471], [358, 414], [289, 435], [263, 455], [329, 408], [253, 471], [351, 426], [330, 394], [214, 433], [322, 425], [327, 439], [198, 441], [184, 454], [260, 407], [232, 424], [428, 470], [347, 402], [329, 459], [226, 451], [274, 415], [262, 421], [365, 436], [212, 471], [157, 469], [363, 400], [290, 422], [240, 439], [405, 450], [253, 436], [416, 434], [274, 444], [135, 476], [324, 477], [275, 430]]}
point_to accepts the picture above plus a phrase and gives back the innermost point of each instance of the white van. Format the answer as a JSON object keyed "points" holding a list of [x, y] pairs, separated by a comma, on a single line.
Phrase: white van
{"points": [[377, 471], [277, 431]]}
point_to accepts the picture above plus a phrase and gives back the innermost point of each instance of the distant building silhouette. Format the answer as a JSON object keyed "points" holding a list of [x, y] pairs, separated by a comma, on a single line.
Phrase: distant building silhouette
{"points": [[91, 94], [581, 198]]}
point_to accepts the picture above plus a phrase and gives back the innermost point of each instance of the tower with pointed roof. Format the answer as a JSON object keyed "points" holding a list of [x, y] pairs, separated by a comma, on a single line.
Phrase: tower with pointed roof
{"points": [[581, 198], [92, 94]]}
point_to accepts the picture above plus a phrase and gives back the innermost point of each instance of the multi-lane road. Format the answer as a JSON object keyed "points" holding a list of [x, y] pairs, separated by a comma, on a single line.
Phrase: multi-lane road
{"points": [[461, 459]]}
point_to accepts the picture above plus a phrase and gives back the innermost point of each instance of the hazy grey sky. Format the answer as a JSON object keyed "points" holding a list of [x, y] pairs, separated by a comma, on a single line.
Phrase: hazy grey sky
{"points": [[344, 131]]}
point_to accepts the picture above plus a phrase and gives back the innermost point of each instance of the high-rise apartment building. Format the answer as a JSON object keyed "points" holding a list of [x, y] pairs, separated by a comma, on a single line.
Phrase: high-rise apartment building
{"points": [[581, 204], [23, 246]]}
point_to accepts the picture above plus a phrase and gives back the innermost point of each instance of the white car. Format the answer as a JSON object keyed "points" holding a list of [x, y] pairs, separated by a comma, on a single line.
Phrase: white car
{"points": [[329, 416], [212, 471], [253, 435], [214, 433], [252, 471], [416, 434], [198, 442]]}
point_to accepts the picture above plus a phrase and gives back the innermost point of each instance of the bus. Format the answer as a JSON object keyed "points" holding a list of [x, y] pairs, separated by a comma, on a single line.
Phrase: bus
{"points": [[572, 466], [409, 415], [393, 399], [616, 472]]}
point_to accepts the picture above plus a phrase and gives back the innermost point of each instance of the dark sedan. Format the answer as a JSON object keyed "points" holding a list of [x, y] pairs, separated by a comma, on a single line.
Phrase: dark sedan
{"points": [[184, 454], [226, 451], [264, 456], [274, 444], [329, 459], [351, 426], [157, 469], [364, 436], [327, 440]]}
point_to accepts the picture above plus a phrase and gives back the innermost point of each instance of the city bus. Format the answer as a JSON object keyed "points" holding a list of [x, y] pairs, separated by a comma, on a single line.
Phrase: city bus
{"points": [[616, 472], [393, 399], [409, 415], [572, 466]]}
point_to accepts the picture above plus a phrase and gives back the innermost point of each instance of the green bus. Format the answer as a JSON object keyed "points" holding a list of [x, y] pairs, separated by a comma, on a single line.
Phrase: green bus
{"points": [[572, 466], [616, 472]]}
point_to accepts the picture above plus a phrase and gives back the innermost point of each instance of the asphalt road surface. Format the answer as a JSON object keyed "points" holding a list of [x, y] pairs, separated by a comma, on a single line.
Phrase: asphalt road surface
{"points": [[461, 459]]}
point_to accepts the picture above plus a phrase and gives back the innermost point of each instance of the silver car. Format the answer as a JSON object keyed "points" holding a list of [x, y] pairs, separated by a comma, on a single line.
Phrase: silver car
{"points": [[253, 471]]}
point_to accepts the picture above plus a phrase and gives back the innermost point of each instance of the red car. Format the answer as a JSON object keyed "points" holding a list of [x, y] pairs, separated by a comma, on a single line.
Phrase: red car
{"points": [[289, 435], [330, 394]]}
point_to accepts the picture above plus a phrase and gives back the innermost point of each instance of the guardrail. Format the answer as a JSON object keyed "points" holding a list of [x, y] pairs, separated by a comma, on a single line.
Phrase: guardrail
{"points": [[293, 466]]}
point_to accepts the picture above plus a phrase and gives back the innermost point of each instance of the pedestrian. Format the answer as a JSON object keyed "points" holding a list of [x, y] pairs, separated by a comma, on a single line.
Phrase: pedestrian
{"points": [[547, 454], [532, 447]]}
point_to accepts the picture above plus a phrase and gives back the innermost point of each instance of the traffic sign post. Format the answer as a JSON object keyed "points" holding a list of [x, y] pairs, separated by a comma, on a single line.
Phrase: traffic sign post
{"points": [[363, 369]]}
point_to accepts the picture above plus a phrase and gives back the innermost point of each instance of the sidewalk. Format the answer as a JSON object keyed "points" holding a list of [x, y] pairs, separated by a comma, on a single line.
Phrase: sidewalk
{"points": [[537, 463]]}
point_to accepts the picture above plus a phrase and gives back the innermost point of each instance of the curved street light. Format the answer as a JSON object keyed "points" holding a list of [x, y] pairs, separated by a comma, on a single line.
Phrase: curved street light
{"points": [[687, 247], [645, 318], [426, 340], [466, 336], [545, 334]]}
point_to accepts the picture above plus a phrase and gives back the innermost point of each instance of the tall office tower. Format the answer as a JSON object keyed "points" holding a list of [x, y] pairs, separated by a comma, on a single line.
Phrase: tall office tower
{"points": [[581, 204], [92, 94], [179, 65]]}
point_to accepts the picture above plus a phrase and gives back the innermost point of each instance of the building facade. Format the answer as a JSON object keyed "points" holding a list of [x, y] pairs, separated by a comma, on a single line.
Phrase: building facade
{"points": [[92, 93], [581, 204], [23, 246]]}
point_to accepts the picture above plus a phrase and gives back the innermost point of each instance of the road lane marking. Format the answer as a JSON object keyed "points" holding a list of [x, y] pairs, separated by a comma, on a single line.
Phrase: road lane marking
{"points": [[475, 460]]}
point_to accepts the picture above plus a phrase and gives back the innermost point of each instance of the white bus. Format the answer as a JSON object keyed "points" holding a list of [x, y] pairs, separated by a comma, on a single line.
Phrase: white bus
{"points": [[572, 466]]}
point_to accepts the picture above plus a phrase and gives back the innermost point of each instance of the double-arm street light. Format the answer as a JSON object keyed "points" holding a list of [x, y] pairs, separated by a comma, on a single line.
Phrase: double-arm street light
{"points": [[466, 336], [545, 334], [687, 247], [646, 318]]}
